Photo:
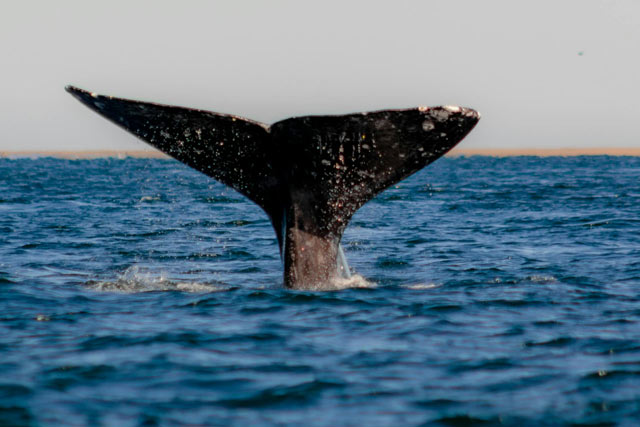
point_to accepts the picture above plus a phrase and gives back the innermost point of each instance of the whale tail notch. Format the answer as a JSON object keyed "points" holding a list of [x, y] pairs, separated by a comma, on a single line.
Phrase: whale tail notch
{"points": [[309, 174]]}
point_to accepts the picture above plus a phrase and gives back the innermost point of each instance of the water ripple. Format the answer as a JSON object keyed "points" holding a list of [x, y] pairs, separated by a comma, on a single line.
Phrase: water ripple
{"points": [[488, 291]]}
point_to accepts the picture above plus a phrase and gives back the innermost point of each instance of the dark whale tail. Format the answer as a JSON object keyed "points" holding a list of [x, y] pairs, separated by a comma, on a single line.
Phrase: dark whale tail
{"points": [[309, 174]]}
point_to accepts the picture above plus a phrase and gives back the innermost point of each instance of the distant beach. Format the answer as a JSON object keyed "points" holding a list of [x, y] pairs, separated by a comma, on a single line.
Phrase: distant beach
{"points": [[93, 154], [546, 152], [456, 152]]}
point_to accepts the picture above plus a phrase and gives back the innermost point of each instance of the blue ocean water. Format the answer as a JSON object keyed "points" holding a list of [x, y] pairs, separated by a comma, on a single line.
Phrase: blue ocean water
{"points": [[498, 291]]}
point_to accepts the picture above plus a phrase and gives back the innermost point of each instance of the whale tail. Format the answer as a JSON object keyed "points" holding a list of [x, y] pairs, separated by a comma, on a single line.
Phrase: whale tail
{"points": [[309, 174]]}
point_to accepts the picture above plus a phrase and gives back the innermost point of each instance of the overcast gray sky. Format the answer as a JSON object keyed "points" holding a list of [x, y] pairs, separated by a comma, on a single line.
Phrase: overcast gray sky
{"points": [[544, 73]]}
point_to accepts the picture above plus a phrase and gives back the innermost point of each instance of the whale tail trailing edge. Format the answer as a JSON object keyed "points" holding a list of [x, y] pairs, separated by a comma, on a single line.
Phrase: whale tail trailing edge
{"points": [[309, 174]]}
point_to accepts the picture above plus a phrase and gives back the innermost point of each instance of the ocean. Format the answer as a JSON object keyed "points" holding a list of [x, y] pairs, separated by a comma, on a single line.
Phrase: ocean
{"points": [[494, 291]]}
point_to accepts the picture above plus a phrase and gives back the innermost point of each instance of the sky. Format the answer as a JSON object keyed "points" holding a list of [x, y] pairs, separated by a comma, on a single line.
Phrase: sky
{"points": [[543, 74]]}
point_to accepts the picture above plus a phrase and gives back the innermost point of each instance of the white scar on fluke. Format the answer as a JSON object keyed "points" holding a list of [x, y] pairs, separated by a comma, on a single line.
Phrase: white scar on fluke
{"points": [[309, 174]]}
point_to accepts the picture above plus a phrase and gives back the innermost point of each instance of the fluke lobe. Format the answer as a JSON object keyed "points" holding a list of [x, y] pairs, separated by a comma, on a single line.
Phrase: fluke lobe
{"points": [[309, 174]]}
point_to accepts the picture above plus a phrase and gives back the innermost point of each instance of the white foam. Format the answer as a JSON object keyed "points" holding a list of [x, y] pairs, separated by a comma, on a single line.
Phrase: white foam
{"points": [[133, 280], [354, 281], [542, 279], [421, 286], [340, 283]]}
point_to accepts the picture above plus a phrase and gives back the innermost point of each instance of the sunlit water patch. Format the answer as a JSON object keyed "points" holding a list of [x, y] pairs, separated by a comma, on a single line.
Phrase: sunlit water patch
{"points": [[138, 292]]}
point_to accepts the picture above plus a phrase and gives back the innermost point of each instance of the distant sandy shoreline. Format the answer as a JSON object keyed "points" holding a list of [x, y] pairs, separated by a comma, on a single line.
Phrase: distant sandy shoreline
{"points": [[457, 152]]}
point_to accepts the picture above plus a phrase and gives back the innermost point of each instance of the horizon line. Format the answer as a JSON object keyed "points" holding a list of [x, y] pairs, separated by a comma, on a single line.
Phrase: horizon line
{"points": [[456, 152]]}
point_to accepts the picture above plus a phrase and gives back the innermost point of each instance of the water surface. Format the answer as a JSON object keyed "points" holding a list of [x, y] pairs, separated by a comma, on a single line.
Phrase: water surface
{"points": [[140, 292]]}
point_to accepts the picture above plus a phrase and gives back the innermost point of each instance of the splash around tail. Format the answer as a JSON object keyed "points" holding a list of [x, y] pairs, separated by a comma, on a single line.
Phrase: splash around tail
{"points": [[135, 280]]}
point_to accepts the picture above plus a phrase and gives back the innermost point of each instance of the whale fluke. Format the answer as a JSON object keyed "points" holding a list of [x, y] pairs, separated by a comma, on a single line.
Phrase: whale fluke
{"points": [[309, 174]]}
